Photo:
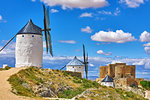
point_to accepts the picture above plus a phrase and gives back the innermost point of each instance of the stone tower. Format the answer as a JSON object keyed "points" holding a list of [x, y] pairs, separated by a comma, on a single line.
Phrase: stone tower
{"points": [[29, 46]]}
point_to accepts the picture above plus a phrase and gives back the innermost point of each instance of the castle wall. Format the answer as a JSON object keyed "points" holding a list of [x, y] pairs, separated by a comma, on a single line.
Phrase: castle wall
{"points": [[29, 50], [103, 71], [122, 73]]}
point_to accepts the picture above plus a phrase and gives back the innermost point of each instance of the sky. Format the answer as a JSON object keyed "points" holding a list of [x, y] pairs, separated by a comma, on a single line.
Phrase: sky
{"points": [[112, 31]]}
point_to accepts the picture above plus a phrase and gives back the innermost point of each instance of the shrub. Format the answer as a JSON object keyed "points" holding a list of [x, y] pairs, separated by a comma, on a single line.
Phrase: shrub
{"points": [[145, 84]]}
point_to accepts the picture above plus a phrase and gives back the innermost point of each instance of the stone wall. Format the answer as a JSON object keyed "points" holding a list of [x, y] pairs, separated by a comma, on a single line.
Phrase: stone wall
{"points": [[77, 74], [103, 71], [121, 73]]}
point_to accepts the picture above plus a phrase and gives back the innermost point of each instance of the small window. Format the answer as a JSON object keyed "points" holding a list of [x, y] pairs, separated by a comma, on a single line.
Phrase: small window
{"points": [[22, 35], [79, 67], [32, 35], [73, 66]]}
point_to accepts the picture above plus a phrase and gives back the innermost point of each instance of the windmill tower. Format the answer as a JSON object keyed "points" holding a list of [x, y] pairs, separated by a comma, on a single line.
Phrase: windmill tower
{"points": [[29, 43], [29, 46]]}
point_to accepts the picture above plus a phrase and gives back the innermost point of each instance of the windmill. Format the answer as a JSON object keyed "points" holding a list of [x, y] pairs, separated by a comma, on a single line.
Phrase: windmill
{"points": [[29, 42], [77, 65], [85, 62]]}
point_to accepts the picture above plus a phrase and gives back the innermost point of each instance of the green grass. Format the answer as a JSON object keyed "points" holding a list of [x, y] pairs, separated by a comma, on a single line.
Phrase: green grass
{"points": [[6, 68], [24, 81], [71, 93], [145, 84]]}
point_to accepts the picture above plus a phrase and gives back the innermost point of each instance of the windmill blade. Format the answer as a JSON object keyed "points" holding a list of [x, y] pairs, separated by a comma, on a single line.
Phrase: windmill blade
{"points": [[47, 17], [50, 44], [86, 71], [63, 67], [8, 42], [84, 53], [45, 28], [87, 59], [48, 33]]}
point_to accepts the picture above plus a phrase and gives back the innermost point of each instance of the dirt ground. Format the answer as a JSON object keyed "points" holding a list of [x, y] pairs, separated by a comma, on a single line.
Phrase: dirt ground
{"points": [[147, 95], [5, 87]]}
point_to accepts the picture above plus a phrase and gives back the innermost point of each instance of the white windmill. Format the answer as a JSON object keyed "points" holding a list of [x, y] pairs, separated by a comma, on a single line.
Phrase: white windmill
{"points": [[29, 43]]}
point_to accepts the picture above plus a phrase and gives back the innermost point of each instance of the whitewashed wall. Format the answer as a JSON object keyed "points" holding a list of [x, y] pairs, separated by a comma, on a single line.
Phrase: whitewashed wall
{"points": [[76, 69], [29, 50], [107, 84]]}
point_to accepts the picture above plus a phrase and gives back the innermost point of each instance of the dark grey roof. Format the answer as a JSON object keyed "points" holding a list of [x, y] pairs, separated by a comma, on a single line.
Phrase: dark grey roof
{"points": [[30, 28], [75, 62], [107, 79]]}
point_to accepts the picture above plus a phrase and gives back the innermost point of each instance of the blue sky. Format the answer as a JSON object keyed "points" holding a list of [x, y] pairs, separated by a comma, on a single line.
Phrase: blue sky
{"points": [[112, 31]]}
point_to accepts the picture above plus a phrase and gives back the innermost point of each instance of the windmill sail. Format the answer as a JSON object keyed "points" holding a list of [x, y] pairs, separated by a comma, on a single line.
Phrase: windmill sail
{"points": [[8, 42], [63, 67], [49, 36], [46, 30], [85, 62]]}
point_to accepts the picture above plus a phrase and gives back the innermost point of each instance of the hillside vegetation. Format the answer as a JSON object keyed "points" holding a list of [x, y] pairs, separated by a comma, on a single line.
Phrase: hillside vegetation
{"points": [[35, 82]]}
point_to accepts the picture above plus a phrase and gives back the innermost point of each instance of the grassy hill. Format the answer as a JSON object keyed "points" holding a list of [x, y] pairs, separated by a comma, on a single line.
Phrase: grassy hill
{"points": [[35, 82]]}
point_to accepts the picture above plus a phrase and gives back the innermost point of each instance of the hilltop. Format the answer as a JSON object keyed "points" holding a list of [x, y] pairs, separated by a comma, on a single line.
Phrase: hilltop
{"points": [[35, 82]]}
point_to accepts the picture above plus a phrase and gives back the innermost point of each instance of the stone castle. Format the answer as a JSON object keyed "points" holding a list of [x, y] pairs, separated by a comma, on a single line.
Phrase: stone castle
{"points": [[123, 75]]}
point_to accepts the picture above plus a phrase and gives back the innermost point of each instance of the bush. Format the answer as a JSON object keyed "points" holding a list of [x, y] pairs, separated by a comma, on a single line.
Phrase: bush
{"points": [[145, 84]]}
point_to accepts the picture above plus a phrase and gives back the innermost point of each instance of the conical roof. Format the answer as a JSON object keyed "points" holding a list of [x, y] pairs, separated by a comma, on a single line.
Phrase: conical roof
{"points": [[75, 62], [30, 28], [107, 79]]}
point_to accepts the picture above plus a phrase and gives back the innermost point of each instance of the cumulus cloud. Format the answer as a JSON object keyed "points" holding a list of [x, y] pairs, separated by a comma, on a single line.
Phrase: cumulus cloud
{"points": [[67, 41], [115, 13], [1, 17], [147, 44], [132, 3], [145, 36], [54, 11], [87, 29], [33, 0], [91, 65], [76, 3], [103, 53], [86, 14], [118, 37], [147, 50]]}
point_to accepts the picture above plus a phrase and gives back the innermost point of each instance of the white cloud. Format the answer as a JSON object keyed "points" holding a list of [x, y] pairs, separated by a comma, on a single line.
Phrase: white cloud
{"points": [[132, 3], [105, 12], [91, 65], [67, 41], [145, 36], [118, 37], [76, 3], [139, 63], [1, 17], [116, 12], [103, 53], [87, 29], [147, 50], [147, 44], [33, 0], [54, 11], [86, 14]]}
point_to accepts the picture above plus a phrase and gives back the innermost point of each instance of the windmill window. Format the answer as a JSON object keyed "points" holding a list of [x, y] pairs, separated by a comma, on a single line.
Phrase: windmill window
{"points": [[32, 35], [73, 66], [79, 67], [22, 35]]}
